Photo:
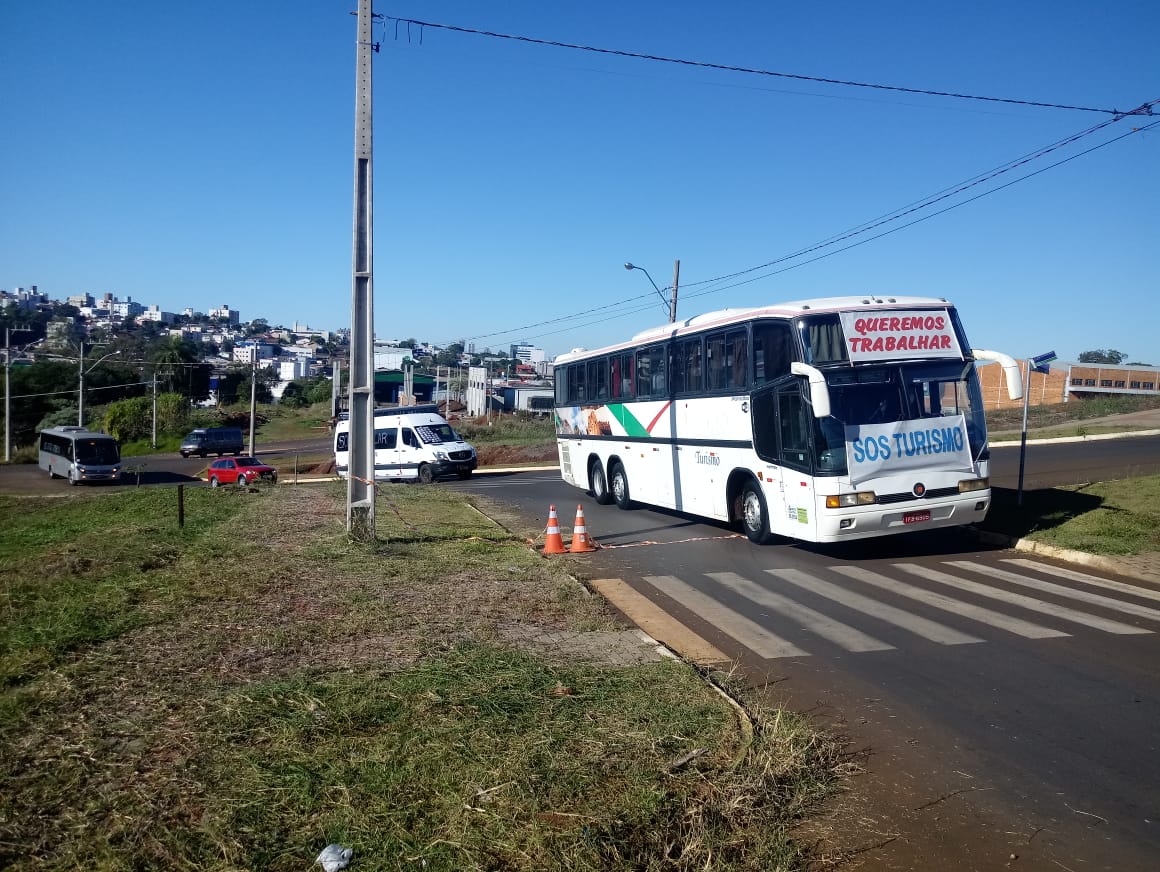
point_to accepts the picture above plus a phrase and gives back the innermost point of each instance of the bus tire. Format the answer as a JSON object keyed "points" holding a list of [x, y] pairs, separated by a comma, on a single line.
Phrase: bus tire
{"points": [[754, 516], [620, 491], [598, 483], [72, 479], [426, 476]]}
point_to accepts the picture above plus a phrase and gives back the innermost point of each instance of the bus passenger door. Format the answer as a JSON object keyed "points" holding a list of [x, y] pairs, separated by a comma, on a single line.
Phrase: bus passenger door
{"points": [[781, 429], [794, 425]]}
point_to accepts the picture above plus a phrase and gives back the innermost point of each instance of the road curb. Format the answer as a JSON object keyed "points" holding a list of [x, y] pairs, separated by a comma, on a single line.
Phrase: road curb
{"points": [[1080, 558]]}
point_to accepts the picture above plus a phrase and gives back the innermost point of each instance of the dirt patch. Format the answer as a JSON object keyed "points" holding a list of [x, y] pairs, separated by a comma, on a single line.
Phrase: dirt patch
{"points": [[514, 455]]}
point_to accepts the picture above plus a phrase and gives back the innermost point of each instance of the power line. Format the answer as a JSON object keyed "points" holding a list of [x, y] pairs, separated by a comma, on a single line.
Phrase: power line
{"points": [[759, 72], [978, 196], [863, 228]]}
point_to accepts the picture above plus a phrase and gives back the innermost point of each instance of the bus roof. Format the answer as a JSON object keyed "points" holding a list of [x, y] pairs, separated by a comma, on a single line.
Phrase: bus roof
{"points": [[725, 317], [72, 431]]}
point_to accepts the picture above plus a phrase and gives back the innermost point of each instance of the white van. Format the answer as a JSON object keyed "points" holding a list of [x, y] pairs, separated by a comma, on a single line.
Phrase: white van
{"points": [[411, 442]]}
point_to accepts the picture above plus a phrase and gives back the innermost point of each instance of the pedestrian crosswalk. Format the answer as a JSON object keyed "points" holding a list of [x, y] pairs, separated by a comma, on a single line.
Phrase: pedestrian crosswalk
{"points": [[786, 613]]}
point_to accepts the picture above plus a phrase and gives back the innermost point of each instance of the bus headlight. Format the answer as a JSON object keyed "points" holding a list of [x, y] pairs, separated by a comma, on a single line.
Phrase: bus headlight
{"points": [[843, 501], [968, 485], [441, 455]]}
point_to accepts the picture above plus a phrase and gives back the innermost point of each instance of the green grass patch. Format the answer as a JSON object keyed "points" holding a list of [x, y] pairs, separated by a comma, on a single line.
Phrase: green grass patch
{"points": [[78, 571], [243, 691], [1114, 517], [520, 430]]}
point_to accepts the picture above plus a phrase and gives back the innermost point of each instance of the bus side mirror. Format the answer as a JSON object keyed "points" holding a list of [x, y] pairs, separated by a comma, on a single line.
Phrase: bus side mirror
{"points": [[819, 390], [1010, 370]]}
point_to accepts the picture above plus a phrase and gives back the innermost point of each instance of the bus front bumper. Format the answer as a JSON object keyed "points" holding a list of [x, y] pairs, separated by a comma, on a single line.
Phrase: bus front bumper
{"points": [[840, 525]]}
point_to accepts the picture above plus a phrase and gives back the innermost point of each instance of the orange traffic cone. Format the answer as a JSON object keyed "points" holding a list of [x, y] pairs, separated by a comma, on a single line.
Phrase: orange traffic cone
{"points": [[581, 541], [553, 542]]}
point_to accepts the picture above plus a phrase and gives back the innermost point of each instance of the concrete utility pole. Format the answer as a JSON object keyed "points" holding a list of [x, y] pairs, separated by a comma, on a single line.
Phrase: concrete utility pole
{"points": [[7, 396], [673, 298], [153, 443], [253, 396], [360, 483]]}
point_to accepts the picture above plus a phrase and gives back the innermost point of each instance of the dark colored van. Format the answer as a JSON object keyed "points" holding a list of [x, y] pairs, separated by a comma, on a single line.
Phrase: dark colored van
{"points": [[213, 440]]}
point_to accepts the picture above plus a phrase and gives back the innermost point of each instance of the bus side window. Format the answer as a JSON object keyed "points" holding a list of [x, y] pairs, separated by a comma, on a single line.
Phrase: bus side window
{"points": [[643, 375], [409, 437], [772, 348], [385, 438], [626, 380], [576, 393], [737, 354], [598, 379], [687, 365], [715, 362]]}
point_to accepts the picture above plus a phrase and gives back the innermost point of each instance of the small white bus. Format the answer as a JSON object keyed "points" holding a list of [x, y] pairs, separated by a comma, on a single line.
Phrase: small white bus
{"points": [[823, 420], [411, 442], [79, 455]]}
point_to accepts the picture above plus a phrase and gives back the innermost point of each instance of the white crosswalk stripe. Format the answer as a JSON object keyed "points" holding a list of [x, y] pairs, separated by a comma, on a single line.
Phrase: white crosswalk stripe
{"points": [[1023, 601], [967, 610], [815, 622], [1085, 596], [905, 580], [920, 626], [1060, 572], [753, 636]]}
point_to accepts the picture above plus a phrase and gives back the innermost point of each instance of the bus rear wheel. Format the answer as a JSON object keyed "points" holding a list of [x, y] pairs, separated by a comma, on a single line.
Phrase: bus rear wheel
{"points": [[754, 516], [599, 483], [620, 491]]}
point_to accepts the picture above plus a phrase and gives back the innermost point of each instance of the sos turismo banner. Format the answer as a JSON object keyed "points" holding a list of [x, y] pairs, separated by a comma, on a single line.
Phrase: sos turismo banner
{"points": [[874, 450]]}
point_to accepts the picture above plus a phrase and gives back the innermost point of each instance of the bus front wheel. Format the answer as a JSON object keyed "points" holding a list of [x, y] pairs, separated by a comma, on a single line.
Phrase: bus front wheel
{"points": [[426, 474], [599, 482], [620, 491], [754, 516]]}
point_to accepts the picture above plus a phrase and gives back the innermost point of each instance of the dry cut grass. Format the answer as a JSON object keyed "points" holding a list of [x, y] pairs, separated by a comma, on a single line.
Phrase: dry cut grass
{"points": [[243, 691]]}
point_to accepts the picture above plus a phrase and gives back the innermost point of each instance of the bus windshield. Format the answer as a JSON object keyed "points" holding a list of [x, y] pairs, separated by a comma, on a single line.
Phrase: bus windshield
{"points": [[905, 392], [98, 452]]}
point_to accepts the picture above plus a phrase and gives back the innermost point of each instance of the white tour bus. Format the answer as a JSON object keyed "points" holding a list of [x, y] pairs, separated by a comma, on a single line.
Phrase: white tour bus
{"points": [[823, 420], [79, 455], [411, 442]]}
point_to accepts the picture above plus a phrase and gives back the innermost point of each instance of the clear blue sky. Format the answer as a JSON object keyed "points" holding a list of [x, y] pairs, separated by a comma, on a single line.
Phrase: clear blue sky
{"points": [[201, 155]]}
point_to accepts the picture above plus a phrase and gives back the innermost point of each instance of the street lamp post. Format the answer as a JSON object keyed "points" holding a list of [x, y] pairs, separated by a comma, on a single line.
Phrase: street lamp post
{"points": [[671, 302], [81, 373]]}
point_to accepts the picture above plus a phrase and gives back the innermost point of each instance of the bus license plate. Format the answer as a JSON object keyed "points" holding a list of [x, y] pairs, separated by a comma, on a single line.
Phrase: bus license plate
{"points": [[916, 517]]}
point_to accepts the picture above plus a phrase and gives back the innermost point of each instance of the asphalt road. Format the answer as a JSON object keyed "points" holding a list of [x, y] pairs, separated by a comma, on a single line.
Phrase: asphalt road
{"points": [[1011, 705]]}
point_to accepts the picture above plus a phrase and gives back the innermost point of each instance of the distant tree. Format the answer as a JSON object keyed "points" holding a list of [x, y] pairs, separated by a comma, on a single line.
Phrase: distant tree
{"points": [[407, 343], [304, 392], [1101, 355], [170, 359], [449, 356], [128, 420], [1136, 363]]}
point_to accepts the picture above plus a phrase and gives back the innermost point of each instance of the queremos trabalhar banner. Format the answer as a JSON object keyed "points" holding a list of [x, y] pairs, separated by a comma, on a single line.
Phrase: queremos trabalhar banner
{"points": [[907, 446], [898, 335]]}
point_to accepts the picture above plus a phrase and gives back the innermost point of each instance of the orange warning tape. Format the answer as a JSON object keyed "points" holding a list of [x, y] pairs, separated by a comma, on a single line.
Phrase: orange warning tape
{"points": [[675, 541]]}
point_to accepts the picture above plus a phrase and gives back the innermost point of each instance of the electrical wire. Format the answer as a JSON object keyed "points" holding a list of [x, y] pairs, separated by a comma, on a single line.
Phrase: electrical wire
{"points": [[868, 226], [755, 71]]}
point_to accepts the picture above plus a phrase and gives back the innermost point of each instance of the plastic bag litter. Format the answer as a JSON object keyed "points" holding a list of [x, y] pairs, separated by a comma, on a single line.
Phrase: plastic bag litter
{"points": [[334, 857]]}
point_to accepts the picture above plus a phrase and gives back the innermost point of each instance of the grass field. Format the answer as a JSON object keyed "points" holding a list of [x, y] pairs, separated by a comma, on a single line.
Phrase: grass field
{"points": [[240, 692]]}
